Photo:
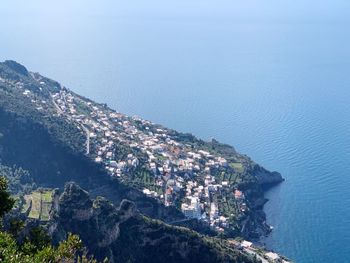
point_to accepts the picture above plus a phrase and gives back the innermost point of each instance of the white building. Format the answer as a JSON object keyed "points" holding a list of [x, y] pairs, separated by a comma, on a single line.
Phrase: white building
{"points": [[246, 244], [193, 209], [98, 159], [273, 256]]}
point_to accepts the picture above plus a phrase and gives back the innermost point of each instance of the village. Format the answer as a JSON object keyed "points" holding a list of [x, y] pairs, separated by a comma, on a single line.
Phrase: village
{"points": [[180, 173]]}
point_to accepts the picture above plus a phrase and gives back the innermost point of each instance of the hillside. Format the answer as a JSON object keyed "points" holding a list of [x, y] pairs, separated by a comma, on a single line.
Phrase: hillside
{"points": [[49, 136], [124, 235], [40, 149]]}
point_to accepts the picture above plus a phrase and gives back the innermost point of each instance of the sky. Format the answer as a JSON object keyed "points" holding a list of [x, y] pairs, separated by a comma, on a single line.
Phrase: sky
{"points": [[282, 10]]}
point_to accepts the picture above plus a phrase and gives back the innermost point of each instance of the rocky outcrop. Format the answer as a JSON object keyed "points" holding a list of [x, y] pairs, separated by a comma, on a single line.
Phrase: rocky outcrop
{"points": [[266, 178], [254, 225], [16, 67], [124, 235], [76, 211], [75, 203]]}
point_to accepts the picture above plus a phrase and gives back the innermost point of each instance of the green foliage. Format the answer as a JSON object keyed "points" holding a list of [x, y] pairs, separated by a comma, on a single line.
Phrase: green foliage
{"points": [[60, 131], [144, 236], [38, 239], [19, 180], [6, 202], [70, 250], [44, 147], [16, 226], [36, 246]]}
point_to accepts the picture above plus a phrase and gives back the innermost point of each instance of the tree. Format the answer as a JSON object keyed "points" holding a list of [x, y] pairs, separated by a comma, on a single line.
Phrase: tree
{"points": [[6, 202], [36, 247], [38, 239], [16, 226], [69, 251]]}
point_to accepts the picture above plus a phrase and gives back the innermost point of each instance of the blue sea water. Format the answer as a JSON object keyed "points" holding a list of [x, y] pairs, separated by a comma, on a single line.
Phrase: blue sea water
{"points": [[270, 77]]}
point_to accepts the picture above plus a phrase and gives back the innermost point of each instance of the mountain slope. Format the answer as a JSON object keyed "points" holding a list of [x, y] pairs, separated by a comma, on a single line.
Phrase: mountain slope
{"points": [[124, 235], [49, 135], [50, 148]]}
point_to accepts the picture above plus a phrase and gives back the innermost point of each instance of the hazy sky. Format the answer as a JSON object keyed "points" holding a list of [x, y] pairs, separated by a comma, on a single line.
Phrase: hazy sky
{"points": [[252, 9]]}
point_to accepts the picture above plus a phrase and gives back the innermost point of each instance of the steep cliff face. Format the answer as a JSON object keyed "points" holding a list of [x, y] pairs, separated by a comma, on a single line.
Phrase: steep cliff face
{"points": [[254, 225], [97, 221], [74, 204], [266, 178], [124, 235]]}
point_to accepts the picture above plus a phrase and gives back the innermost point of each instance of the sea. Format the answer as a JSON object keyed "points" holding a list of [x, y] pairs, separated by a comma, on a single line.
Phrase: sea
{"points": [[270, 77]]}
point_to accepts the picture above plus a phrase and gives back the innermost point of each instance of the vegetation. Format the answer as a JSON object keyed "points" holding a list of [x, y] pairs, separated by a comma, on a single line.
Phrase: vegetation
{"points": [[46, 159], [19, 180], [41, 148], [145, 236], [6, 202], [128, 236], [70, 250], [37, 205], [36, 246]]}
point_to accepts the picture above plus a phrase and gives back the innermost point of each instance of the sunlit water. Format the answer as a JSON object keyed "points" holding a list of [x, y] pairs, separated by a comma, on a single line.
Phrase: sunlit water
{"points": [[269, 77]]}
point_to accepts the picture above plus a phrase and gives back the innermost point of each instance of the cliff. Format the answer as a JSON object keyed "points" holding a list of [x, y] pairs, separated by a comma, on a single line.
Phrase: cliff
{"points": [[124, 235]]}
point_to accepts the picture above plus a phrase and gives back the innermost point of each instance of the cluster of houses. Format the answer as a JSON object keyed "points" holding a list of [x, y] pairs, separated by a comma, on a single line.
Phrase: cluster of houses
{"points": [[40, 104], [264, 256], [174, 164]]}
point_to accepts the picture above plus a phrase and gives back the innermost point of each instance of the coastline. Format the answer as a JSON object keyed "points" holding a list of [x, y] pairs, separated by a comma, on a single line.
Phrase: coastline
{"points": [[214, 173]]}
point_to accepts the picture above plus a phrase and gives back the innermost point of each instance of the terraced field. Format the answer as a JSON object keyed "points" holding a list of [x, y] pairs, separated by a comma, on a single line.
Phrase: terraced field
{"points": [[38, 205]]}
